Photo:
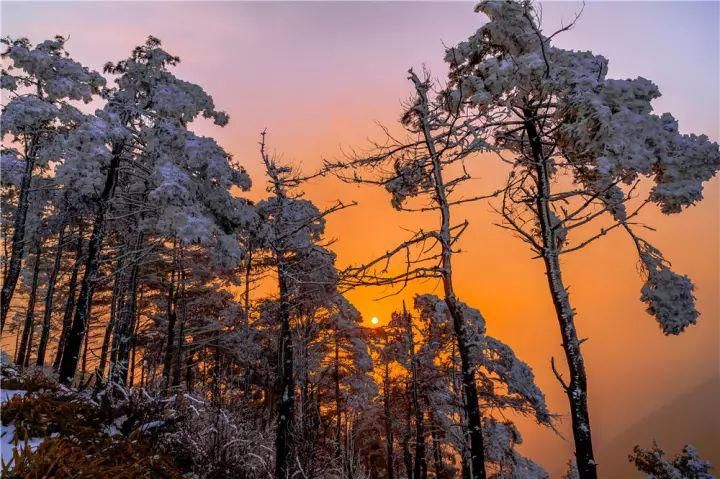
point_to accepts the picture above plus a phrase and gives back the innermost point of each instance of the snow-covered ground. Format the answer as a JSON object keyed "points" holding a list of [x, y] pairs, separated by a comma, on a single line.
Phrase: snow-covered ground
{"points": [[7, 433]]}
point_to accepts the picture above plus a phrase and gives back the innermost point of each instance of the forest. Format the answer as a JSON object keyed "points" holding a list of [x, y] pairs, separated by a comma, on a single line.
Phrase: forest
{"points": [[158, 322]]}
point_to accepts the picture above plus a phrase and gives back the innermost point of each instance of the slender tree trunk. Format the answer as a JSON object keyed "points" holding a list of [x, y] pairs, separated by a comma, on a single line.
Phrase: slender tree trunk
{"points": [[120, 310], [472, 405], [18, 238], [112, 320], [248, 270], [26, 364], [6, 252], [171, 315], [338, 406], [86, 347], [437, 452], [217, 370], [18, 335], [69, 361], [133, 350], [177, 371], [388, 423], [180, 348], [188, 367], [24, 354], [136, 328], [70, 301], [407, 454], [47, 315], [125, 327], [420, 467], [286, 383], [576, 390]]}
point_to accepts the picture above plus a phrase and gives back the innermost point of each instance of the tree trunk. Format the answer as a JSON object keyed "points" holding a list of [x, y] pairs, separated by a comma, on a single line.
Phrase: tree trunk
{"points": [[47, 315], [69, 361], [420, 466], [180, 348], [70, 301], [24, 353], [576, 390], [125, 327], [133, 342], [388, 423], [18, 238], [286, 383], [171, 315], [177, 371], [112, 319], [437, 452], [338, 406], [472, 406], [86, 346], [407, 454]]}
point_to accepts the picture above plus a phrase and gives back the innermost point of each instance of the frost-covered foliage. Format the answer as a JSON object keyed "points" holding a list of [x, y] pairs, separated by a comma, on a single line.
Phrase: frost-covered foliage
{"points": [[606, 128], [501, 439], [293, 227], [496, 361], [424, 348], [473, 322], [290, 223], [86, 154], [602, 132], [12, 167], [187, 181], [40, 82], [686, 465], [233, 446], [410, 179], [517, 376], [290, 229], [48, 70], [358, 364], [193, 179], [580, 144], [668, 295]]}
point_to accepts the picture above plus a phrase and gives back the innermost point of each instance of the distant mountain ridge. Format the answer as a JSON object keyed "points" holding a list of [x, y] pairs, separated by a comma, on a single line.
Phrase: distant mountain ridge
{"points": [[691, 418]]}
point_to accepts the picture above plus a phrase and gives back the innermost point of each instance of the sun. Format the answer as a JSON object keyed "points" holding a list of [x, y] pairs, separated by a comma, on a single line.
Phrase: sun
{"points": [[374, 320]]}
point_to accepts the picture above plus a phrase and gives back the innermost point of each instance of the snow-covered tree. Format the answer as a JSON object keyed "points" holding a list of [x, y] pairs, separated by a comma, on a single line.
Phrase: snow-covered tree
{"points": [[422, 173], [39, 83], [559, 117], [506, 384], [423, 354], [686, 465], [138, 155], [290, 229]]}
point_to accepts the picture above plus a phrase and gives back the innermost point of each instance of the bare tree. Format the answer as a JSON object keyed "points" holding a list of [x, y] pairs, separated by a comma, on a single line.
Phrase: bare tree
{"points": [[416, 168]]}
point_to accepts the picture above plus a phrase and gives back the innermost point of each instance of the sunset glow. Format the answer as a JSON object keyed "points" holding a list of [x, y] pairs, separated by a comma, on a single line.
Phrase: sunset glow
{"points": [[327, 80]]}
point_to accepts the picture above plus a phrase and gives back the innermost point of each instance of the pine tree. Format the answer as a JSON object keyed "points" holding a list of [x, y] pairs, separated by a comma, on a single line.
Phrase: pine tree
{"points": [[561, 117]]}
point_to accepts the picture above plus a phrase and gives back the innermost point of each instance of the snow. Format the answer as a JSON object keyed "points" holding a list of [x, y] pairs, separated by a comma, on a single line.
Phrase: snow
{"points": [[687, 464], [517, 375], [8, 394], [606, 128], [668, 295], [61, 77], [7, 433]]}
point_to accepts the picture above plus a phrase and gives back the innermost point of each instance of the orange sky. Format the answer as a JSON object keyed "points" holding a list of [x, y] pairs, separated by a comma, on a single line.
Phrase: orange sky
{"points": [[319, 75]]}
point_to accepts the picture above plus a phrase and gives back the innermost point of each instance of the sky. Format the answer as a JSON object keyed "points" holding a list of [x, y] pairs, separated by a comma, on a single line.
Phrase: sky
{"points": [[321, 76]]}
